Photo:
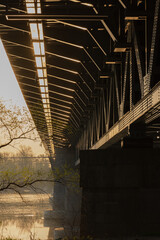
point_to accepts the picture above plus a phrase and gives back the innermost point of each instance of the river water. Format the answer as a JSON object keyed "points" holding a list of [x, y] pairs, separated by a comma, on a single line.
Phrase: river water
{"points": [[24, 218]]}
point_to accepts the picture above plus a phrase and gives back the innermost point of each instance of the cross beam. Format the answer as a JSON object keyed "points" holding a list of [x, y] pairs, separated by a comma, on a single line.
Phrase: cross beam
{"points": [[70, 17]]}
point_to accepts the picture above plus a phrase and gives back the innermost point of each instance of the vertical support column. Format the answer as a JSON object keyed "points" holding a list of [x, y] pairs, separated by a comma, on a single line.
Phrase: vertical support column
{"points": [[153, 41], [146, 41], [66, 201], [58, 188], [131, 79]]}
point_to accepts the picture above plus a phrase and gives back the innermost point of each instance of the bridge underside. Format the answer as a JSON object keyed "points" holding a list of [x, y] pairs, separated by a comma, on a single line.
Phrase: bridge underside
{"points": [[88, 69]]}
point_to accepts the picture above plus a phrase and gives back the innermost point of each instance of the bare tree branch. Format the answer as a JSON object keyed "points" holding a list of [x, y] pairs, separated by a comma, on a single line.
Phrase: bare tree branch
{"points": [[10, 185], [21, 136], [15, 124]]}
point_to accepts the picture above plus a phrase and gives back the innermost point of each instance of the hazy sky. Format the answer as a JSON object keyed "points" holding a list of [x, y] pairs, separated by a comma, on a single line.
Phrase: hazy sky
{"points": [[9, 89], [10, 92]]}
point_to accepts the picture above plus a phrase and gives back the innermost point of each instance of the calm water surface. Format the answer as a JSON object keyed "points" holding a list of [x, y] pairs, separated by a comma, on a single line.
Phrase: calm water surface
{"points": [[23, 219]]}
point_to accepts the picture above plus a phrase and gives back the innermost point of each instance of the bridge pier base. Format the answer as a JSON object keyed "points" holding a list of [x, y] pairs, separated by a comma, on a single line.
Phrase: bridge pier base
{"points": [[66, 202], [120, 193]]}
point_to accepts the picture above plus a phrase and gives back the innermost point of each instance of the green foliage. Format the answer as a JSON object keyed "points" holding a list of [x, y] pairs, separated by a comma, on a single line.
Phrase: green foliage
{"points": [[26, 172], [65, 238], [68, 176], [19, 174], [9, 238]]}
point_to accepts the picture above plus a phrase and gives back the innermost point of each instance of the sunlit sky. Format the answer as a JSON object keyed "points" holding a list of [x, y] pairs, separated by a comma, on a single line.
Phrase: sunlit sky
{"points": [[10, 92], [9, 89]]}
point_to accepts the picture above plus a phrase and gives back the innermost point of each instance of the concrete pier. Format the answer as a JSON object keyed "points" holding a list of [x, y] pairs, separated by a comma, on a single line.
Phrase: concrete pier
{"points": [[121, 193]]}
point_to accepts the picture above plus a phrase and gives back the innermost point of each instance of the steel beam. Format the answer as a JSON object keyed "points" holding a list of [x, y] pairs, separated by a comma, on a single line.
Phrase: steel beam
{"points": [[70, 17]]}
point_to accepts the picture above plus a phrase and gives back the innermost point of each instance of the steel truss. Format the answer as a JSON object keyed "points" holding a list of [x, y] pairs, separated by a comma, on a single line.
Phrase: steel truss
{"points": [[132, 90], [102, 67]]}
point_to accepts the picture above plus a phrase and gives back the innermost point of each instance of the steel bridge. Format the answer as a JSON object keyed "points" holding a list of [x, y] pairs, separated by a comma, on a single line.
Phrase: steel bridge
{"points": [[89, 70]]}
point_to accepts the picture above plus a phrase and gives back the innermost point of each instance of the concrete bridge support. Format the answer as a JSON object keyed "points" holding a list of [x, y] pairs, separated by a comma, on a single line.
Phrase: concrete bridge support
{"points": [[120, 193], [66, 201]]}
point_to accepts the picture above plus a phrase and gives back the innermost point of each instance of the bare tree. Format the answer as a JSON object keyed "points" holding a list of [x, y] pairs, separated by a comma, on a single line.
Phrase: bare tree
{"points": [[15, 123]]}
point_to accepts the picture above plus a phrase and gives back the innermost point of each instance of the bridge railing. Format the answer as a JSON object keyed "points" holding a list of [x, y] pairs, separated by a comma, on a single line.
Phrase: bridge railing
{"points": [[121, 128]]}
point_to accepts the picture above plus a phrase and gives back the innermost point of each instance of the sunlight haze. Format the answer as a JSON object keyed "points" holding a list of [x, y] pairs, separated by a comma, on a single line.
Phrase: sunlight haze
{"points": [[9, 91], [11, 94]]}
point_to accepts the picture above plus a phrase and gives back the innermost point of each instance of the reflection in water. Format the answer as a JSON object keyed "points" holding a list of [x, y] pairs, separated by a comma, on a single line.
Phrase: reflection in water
{"points": [[23, 219]]}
